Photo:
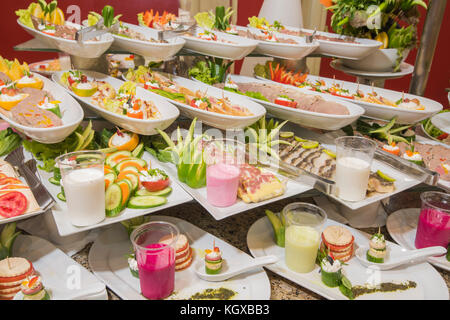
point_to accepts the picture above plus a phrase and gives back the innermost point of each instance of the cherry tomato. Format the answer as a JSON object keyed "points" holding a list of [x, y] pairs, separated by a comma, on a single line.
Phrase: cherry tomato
{"points": [[153, 186]]}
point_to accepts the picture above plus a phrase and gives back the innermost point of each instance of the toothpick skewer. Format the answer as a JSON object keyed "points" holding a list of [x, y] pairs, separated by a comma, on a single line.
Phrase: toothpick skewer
{"points": [[9, 263]]}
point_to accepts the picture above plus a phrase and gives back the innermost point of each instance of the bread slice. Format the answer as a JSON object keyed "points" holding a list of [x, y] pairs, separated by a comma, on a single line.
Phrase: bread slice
{"points": [[14, 267], [337, 236]]}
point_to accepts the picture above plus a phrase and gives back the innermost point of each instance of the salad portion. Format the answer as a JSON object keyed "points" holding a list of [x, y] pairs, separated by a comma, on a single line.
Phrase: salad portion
{"points": [[47, 18], [285, 96], [221, 21], [23, 99], [278, 73], [168, 88], [123, 30], [122, 101], [153, 19], [267, 27], [434, 132]]}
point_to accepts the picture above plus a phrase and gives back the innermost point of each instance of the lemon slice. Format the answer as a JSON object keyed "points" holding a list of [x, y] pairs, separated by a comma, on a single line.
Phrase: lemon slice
{"points": [[310, 144], [286, 134], [300, 139], [384, 39], [385, 176], [330, 153]]}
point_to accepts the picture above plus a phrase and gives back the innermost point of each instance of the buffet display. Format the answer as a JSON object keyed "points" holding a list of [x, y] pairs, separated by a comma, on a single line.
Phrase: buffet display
{"points": [[248, 142]]}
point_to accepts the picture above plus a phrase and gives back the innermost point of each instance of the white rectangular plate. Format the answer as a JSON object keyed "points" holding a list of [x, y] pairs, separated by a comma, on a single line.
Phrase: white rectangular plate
{"points": [[430, 284], [60, 214], [292, 188], [58, 271], [108, 261], [403, 181]]}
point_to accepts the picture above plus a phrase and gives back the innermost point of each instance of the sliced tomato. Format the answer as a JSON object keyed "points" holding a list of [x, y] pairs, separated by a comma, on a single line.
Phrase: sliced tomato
{"points": [[14, 186], [282, 102], [13, 204], [153, 186], [336, 247], [10, 180], [19, 277], [442, 136]]}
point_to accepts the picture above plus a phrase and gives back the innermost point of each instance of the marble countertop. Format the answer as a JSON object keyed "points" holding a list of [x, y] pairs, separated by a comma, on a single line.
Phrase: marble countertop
{"points": [[234, 231]]}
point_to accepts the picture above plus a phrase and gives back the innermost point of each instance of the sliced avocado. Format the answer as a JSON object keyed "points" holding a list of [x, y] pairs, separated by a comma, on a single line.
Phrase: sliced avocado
{"points": [[278, 228]]}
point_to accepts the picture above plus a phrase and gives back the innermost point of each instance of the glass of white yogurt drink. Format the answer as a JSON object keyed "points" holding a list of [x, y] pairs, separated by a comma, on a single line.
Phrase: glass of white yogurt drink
{"points": [[83, 182], [354, 157]]}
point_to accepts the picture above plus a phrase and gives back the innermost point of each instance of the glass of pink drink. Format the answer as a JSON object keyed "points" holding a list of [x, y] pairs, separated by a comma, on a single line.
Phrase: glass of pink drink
{"points": [[433, 228], [223, 158], [154, 246], [222, 182]]}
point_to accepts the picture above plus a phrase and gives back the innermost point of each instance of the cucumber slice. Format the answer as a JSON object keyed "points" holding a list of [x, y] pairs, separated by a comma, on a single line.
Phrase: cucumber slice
{"points": [[145, 192], [145, 202], [110, 177], [54, 181], [138, 151], [130, 187], [134, 180], [373, 259], [57, 173], [61, 196], [130, 162], [331, 279], [88, 156], [110, 159], [113, 197], [130, 168]]}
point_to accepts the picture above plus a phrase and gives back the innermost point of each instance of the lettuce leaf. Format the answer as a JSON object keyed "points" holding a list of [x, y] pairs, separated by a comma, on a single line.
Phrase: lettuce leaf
{"points": [[140, 18], [25, 15]]}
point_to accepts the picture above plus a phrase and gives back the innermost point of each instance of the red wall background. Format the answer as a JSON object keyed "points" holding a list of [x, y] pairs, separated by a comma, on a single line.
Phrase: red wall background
{"points": [[12, 35]]}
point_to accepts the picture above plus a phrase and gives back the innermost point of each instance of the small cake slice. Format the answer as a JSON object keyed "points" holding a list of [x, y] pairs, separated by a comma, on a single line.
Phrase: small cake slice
{"points": [[338, 241], [33, 289], [12, 272], [213, 261], [377, 251]]}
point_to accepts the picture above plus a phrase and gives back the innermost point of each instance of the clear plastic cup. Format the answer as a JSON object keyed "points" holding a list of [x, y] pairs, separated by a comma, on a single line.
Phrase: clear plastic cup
{"points": [[223, 158], [433, 228], [155, 248], [83, 182], [304, 223], [354, 157]]}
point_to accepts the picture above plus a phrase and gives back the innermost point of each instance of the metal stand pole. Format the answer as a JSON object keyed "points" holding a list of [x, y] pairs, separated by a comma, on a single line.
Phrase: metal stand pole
{"points": [[430, 34]]}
